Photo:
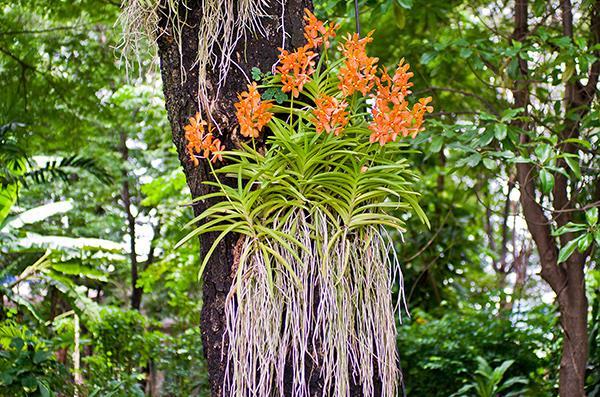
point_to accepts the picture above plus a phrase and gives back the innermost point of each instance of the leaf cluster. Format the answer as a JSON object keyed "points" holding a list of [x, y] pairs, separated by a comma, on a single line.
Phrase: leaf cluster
{"points": [[354, 183]]}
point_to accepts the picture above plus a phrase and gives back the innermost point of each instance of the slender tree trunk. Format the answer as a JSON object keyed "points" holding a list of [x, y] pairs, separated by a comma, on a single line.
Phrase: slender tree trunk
{"points": [[136, 293], [572, 299], [573, 307], [566, 279], [519, 268], [181, 103]]}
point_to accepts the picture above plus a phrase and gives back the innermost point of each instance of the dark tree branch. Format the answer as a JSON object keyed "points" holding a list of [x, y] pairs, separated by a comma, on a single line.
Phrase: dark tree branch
{"points": [[505, 216], [136, 293], [537, 222], [567, 17], [484, 101], [591, 89]]}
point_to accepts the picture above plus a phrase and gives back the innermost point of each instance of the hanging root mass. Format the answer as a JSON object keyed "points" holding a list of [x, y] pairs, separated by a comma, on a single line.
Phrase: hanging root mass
{"points": [[221, 25], [328, 309]]}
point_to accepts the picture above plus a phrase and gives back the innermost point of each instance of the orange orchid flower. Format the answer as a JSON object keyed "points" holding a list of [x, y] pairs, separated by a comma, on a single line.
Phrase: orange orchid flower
{"points": [[391, 114], [330, 115], [215, 148], [296, 68], [252, 112], [418, 113], [389, 122], [317, 32], [200, 141], [395, 89], [358, 73]]}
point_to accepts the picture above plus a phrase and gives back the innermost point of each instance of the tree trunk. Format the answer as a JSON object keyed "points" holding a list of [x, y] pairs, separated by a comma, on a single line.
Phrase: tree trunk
{"points": [[573, 308], [136, 292], [566, 279], [181, 96]]}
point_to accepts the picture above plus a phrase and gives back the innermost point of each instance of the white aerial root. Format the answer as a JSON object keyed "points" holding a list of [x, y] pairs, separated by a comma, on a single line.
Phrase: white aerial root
{"points": [[221, 26], [333, 307]]}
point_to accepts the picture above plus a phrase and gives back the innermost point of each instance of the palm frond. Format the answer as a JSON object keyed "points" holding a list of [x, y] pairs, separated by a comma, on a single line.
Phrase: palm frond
{"points": [[59, 169]]}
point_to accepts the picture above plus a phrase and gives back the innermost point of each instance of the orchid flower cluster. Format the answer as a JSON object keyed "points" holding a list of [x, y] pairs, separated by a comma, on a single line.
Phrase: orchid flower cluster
{"points": [[201, 141], [360, 82]]}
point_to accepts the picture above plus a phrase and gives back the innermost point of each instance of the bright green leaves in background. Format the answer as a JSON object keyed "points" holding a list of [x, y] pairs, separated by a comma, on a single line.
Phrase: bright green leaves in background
{"points": [[586, 233]]}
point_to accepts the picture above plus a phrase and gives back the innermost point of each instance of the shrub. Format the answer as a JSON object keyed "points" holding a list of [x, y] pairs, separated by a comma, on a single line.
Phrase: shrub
{"points": [[28, 368], [439, 355], [180, 357], [120, 351]]}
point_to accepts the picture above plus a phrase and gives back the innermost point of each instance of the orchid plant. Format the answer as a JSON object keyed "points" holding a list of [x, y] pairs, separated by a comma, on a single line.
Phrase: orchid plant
{"points": [[315, 208]]}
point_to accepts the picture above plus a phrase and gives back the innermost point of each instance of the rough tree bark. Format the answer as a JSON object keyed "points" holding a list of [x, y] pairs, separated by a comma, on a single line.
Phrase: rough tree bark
{"points": [[566, 279], [182, 103]]}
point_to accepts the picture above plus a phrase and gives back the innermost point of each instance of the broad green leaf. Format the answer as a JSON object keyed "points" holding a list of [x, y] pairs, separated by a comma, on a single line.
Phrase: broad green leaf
{"points": [[591, 215], [582, 142], [473, 160], [510, 114], [29, 382], [44, 388], [543, 152], [407, 4], [427, 57], [500, 131], [487, 137], [546, 180], [489, 163], [584, 242], [487, 117], [569, 228], [5, 379], [568, 249], [573, 164], [41, 356], [436, 144], [568, 72], [79, 270], [506, 154], [17, 343]]}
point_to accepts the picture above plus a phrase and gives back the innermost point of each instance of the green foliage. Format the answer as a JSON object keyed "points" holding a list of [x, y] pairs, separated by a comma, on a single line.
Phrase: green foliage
{"points": [[124, 350], [489, 382], [587, 233], [447, 349], [50, 272], [180, 357], [120, 350], [18, 171], [27, 367]]}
